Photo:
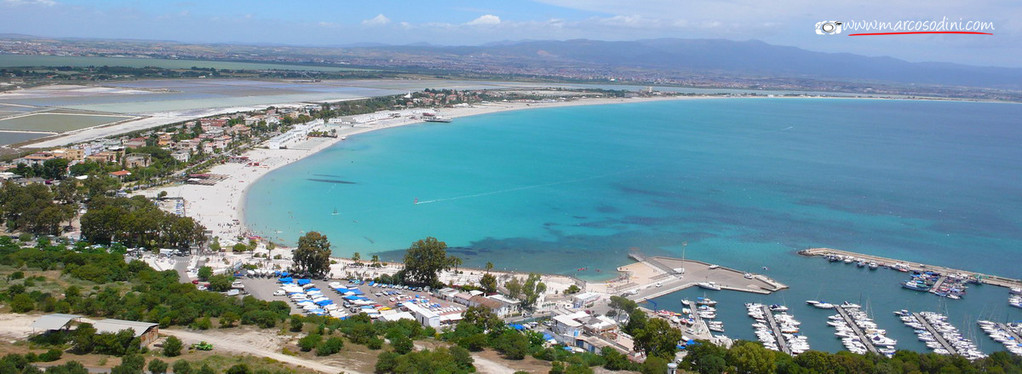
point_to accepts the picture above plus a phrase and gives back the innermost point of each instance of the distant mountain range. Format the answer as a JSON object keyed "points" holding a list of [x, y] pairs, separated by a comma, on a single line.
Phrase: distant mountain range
{"points": [[726, 57], [645, 60]]}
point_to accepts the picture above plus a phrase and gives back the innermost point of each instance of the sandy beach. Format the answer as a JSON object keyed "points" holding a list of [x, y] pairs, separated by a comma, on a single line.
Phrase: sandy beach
{"points": [[220, 207]]}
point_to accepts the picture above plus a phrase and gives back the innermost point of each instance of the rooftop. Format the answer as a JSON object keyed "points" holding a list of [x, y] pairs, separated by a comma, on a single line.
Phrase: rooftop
{"points": [[54, 321]]}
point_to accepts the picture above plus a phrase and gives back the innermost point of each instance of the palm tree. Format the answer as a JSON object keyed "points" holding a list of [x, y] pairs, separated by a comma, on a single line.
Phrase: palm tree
{"points": [[376, 260], [489, 266]]}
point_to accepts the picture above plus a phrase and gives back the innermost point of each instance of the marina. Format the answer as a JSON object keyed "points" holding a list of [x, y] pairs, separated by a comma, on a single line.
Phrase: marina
{"points": [[865, 343], [780, 331], [1010, 335], [942, 336], [905, 266]]}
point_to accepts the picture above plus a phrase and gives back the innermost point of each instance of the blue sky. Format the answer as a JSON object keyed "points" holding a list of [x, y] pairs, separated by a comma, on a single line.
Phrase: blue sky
{"points": [[331, 23]]}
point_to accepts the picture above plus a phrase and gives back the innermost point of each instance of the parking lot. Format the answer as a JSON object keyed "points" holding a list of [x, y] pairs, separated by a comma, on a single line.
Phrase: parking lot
{"points": [[376, 300]]}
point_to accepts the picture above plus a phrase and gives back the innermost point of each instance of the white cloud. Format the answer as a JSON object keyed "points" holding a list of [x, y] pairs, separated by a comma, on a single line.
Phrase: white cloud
{"points": [[379, 20], [30, 2], [487, 19]]}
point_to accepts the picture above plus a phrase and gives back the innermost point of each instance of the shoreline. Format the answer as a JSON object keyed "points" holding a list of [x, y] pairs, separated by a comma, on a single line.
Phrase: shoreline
{"points": [[225, 216]]}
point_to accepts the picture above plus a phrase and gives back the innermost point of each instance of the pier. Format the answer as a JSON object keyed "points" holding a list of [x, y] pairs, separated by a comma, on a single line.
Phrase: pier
{"points": [[936, 334], [699, 328], [677, 274], [781, 343], [1010, 332], [858, 331], [995, 280]]}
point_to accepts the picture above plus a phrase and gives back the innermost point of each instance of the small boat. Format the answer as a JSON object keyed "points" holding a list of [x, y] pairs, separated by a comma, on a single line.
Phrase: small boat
{"points": [[873, 265], [709, 286], [715, 326], [861, 263], [915, 286], [812, 302], [778, 308], [824, 305], [705, 301]]}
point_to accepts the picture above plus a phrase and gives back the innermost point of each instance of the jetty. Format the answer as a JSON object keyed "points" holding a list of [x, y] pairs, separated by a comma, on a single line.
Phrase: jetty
{"points": [[699, 329], [995, 280], [936, 334], [858, 331], [781, 343], [677, 274]]}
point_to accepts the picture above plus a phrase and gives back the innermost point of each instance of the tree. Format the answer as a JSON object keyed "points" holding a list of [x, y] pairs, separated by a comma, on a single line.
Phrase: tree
{"points": [[313, 255], [402, 344], [205, 272], [309, 342], [658, 338], [239, 247], [636, 322], [157, 366], [489, 266], [205, 369], [532, 290], [356, 257], [182, 367], [512, 344], [572, 289], [330, 346], [654, 365], [750, 357], [228, 319], [22, 303], [220, 282], [172, 347], [489, 283], [424, 261], [296, 323], [55, 168], [238, 369], [514, 287]]}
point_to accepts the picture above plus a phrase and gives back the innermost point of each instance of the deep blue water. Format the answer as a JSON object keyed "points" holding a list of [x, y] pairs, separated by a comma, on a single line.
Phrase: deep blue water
{"points": [[745, 182]]}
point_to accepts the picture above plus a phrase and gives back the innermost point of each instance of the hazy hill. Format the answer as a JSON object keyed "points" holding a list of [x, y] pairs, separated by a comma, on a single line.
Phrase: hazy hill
{"points": [[717, 56]]}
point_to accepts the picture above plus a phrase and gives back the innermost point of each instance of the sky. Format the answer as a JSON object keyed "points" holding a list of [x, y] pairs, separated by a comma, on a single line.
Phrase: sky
{"points": [[345, 22]]}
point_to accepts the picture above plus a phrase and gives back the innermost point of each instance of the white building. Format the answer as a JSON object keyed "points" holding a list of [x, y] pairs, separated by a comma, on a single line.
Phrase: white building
{"points": [[584, 300], [295, 135], [424, 316]]}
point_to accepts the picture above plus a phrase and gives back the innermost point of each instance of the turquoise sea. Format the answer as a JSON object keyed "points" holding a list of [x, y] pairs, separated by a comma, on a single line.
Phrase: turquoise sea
{"points": [[744, 182]]}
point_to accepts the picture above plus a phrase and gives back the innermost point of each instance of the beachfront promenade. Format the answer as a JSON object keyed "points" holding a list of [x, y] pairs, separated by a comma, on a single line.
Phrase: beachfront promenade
{"points": [[915, 266], [677, 274]]}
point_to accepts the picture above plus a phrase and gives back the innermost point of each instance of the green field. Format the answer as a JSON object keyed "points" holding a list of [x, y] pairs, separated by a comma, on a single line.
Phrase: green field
{"points": [[57, 122], [17, 60]]}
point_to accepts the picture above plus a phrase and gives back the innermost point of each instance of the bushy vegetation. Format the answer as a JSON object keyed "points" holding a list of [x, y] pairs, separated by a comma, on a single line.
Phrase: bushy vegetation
{"points": [[154, 296], [138, 222], [13, 363]]}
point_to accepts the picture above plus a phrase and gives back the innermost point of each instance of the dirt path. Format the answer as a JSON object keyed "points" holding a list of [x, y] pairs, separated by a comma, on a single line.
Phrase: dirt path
{"points": [[254, 345], [485, 365], [15, 325]]}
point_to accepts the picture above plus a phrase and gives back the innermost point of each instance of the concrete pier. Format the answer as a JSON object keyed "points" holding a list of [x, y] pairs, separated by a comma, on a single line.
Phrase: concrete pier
{"points": [[995, 280], [677, 274]]}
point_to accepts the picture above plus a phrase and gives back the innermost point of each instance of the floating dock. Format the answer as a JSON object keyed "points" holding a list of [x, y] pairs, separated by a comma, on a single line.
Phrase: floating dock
{"points": [[936, 334], [781, 343], [995, 280], [858, 331]]}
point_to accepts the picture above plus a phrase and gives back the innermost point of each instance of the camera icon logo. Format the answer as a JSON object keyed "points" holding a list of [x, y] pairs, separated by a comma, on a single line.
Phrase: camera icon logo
{"points": [[828, 28]]}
